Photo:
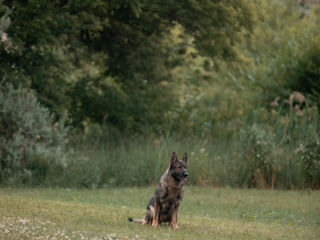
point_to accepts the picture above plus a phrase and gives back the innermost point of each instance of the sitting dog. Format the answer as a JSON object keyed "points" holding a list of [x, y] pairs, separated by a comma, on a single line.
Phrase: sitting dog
{"points": [[164, 205]]}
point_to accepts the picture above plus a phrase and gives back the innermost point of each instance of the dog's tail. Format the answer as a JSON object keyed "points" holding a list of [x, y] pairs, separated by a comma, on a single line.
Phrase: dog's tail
{"points": [[130, 219]]}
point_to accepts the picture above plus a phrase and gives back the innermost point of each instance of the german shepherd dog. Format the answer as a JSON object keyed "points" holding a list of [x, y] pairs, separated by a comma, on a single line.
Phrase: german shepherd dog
{"points": [[164, 205]]}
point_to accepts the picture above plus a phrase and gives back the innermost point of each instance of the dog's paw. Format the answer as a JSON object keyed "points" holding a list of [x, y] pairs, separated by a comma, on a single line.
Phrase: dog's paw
{"points": [[155, 224]]}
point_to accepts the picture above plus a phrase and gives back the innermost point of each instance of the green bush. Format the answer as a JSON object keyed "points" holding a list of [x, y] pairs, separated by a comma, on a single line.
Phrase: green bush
{"points": [[31, 142]]}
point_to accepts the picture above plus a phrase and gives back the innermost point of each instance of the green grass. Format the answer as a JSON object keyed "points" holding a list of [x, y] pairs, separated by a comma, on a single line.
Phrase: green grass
{"points": [[206, 213]]}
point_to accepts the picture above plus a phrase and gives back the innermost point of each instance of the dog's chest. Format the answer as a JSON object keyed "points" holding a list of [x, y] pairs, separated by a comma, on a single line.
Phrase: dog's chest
{"points": [[167, 205], [170, 200]]}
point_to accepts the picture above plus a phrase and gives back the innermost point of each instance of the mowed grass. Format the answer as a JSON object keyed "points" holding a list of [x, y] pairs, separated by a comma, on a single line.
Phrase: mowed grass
{"points": [[205, 213]]}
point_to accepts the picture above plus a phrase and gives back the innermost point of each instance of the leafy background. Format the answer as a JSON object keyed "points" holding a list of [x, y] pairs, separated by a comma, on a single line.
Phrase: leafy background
{"points": [[99, 93]]}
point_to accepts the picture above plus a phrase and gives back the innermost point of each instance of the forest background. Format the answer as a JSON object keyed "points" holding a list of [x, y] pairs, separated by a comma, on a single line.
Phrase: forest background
{"points": [[100, 93]]}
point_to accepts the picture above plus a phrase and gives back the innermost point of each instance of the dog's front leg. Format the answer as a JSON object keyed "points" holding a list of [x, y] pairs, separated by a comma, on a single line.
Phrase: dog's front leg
{"points": [[174, 218], [155, 220]]}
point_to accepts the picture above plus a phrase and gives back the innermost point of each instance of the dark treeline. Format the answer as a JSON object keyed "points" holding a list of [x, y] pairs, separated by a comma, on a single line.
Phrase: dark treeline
{"points": [[111, 60]]}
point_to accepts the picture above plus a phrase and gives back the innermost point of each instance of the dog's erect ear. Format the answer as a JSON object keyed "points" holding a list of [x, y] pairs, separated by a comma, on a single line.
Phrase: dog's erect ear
{"points": [[185, 158], [174, 159]]}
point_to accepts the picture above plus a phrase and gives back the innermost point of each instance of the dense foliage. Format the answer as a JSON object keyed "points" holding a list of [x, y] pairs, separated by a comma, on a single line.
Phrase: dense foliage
{"points": [[109, 58], [31, 143], [242, 75]]}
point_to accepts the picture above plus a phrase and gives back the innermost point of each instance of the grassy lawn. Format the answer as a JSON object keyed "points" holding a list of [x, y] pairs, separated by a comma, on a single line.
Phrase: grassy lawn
{"points": [[205, 213]]}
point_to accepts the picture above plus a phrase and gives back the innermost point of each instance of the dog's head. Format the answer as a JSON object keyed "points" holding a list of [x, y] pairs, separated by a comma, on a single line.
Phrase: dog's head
{"points": [[178, 168]]}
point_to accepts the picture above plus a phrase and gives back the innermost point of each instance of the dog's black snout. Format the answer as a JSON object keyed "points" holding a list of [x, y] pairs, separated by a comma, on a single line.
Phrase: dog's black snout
{"points": [[185, 174]]}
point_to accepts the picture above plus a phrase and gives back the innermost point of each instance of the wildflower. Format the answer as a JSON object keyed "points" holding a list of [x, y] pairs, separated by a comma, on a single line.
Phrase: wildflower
{"points": [[4, 37]]}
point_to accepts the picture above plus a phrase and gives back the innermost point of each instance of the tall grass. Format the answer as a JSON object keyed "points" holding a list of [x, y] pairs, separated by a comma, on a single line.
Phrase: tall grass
{"points": [[282, 154]]}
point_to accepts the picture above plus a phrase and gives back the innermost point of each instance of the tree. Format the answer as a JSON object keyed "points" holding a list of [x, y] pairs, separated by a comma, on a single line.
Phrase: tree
{"points": [[56, 43]]}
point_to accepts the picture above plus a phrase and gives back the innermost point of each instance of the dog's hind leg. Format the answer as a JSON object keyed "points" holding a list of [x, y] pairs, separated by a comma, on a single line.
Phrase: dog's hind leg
{"points": [[155, 220], [149, 216], [147, 219], [151, 211]]}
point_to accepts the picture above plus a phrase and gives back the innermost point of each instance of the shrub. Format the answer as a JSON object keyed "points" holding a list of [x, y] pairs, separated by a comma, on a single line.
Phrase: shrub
{"points": [[31, 142]]}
